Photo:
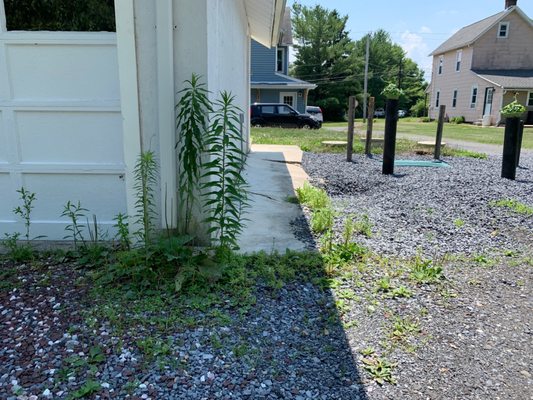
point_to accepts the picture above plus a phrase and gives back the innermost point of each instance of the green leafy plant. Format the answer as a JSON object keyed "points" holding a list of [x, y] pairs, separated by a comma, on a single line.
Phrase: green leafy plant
{"points": [[145, 175], [192, 124], [322, 220], [363, 226], [403, 327], [225, 186], [513, 109], [379, 368], [123, 231], [314, 198], [74, 212], [513, 205], [15, 251], [401, 291], [391, 91], [459, 223], [424, 271], [24, 211], [88, 388]]}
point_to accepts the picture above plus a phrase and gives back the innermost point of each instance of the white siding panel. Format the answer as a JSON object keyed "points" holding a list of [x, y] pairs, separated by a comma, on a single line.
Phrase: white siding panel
{"points": [[50, 71], [103, 195], [3, 141], [6, 205], [78, 137]]}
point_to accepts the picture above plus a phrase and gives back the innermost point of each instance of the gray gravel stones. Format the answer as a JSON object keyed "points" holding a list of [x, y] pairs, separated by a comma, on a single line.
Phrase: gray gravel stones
{"points": [[429, 210]]}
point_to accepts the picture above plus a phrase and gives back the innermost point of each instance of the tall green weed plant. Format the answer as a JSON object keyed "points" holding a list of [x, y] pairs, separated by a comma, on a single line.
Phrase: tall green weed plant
{"points": [[192, 124], [225, 186]]}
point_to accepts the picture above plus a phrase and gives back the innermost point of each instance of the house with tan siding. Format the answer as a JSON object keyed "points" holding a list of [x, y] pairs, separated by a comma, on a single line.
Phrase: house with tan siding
{"points": [[483, 67]]}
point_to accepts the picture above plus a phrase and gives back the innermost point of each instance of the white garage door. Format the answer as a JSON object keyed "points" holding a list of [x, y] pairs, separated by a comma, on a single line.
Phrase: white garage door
{"points": [[60, 128]]}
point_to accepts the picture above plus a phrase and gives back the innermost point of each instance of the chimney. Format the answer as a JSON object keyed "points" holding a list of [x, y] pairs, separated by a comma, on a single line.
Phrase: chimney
{"points": [[510, 3]]}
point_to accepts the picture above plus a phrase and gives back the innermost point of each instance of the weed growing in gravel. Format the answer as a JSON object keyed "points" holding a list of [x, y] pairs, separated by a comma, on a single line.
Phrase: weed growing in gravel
{"points": [[384, 285], [313, 197], [88, 388], [17, 252], [379, 368], [513, 205], [322, 220], [401, 291], [459, 223], [24, 211], [425, 271], [363, 226], [483, 260], [74, 212], [402, 328], [153, 347]]}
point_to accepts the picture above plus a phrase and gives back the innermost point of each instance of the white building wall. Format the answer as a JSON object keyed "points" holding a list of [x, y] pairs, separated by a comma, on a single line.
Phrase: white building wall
{"points": [[60, 128]]}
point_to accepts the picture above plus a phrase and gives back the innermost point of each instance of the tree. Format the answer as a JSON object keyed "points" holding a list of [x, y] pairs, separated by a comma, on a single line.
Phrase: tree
{"points": [[389, 64], [325, 55]]}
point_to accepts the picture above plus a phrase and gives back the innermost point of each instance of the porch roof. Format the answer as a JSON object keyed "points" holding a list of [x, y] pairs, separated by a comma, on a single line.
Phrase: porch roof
{"points": [[265, 18], [508, 79]]}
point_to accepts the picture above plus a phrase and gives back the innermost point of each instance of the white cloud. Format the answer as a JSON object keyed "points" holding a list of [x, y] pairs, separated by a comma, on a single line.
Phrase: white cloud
{"points": [[417, 49]]}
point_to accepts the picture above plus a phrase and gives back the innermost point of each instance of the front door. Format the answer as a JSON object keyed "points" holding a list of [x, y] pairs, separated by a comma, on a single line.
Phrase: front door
{"points": [[288, 98], [489, 95]]}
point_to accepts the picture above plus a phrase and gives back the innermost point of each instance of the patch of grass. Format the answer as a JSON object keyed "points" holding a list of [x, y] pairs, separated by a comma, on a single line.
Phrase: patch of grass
{"points": [[154, 347], [322, 220], [513, 205], [90, 387], [292, 199]]}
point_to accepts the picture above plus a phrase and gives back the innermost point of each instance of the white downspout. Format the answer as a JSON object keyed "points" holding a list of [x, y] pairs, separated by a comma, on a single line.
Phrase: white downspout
{"points": [[129, 97], [166, 112]]}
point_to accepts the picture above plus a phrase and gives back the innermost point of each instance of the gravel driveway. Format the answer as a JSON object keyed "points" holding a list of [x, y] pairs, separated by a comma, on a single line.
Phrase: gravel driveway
{"points": [[369, 331]]}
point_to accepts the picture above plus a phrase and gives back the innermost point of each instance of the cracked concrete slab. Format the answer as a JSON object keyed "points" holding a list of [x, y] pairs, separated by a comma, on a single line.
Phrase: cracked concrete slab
{"points": [[273, 172]]}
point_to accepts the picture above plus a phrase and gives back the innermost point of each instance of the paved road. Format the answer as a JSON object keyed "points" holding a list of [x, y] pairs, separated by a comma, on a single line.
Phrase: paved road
{"points": [[490, 149]]}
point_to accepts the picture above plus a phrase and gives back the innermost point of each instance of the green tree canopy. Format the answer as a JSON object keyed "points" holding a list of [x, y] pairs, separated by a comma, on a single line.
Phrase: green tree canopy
{"points": [[325, 55], [60, 15], [388, 64]]}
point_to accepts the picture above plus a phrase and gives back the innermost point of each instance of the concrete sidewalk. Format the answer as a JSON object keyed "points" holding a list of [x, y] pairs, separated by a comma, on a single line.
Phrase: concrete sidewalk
{"points": [[273, 173]]}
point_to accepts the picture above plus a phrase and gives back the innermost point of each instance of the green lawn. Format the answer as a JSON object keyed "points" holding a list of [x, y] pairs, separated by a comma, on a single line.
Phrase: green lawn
{"points": [[466, 132], [311, 140]]}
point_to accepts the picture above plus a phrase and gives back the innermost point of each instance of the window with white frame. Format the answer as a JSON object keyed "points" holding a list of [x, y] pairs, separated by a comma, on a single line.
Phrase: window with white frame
{"points": [[454, 98], [280, 60], [503, 30], [458, 59], [473, 100], [530, 99], [437, 98], [441, 63]]}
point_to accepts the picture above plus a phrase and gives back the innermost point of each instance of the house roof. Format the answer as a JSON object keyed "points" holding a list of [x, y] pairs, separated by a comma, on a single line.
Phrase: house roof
{"points": [[282, 81], [285, 34], [469, 34], [508, 79], [265, 18]]}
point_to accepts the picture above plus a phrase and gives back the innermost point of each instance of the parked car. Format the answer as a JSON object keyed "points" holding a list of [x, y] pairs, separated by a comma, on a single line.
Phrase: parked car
{"points": [[315, 112], [379, 113], [282, 115], [402, 113]]}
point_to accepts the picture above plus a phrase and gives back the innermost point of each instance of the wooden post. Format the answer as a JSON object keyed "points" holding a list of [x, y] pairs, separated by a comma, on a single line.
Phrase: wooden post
{"points": [[351, 126], [369, 126], [519, 144], [440, 128], [389, 146], [510, 148]]}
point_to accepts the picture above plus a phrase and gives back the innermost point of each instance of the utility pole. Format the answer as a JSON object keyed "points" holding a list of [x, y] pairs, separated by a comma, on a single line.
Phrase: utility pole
{"points": [[365, 96], [400, 74]]}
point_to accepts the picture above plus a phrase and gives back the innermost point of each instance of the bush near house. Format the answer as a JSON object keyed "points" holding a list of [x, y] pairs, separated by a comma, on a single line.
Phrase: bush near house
{"points": [[60, 15]]}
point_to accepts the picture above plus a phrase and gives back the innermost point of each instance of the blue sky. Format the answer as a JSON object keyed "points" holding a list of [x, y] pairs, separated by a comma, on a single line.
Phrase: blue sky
{"points": [[419, 26]]}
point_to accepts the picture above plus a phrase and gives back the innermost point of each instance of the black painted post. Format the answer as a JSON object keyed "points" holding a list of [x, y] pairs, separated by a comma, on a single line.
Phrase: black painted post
{"points": [[520, 137], [351, 126], [510, 148], [440, 128], [389, 146], [370, 126]]}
